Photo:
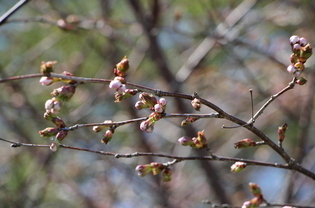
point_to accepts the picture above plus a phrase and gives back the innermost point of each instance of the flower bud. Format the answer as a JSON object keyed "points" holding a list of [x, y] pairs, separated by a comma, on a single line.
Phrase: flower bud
{"points": [[114, 84], [294, 39], [188, 121], [55, 119], [107, 136], [185, 141], [167, 174], [148, 99], [47, 67], [158, 108], [291, 69], [53, 147], [238, 166], [163, 101], [45, 81], [200, 141], [61, 135], [64, 93], [122, 88], [301, 81], [143, 170], [244, 143], [48, 132], [281, 132], [196, 104], [255, 189], [140, 105], [53, 105], [293, 58], [303, 42]]}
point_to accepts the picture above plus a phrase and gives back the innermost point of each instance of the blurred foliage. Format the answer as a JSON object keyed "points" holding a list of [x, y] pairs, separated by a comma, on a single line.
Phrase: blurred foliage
{"points": [[250, 51]]}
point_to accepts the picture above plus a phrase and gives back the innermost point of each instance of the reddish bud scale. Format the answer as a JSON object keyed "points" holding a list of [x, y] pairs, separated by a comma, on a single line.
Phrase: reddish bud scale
{"points": [[47, 67], [148, 99], [244, 143], [68, 81], [281, 132], [301, 81], [64, 93], [238, 166], [156, 168], [188, 121], [167, 175], [48, 132], [107, 136], [61, 135], [255, 189], [123, 65]]}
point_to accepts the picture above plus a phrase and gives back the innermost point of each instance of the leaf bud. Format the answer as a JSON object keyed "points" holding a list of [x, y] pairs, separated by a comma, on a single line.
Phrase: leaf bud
{"points": [[185, 141], [143, 170], [123, 65], [61, 135], [156, 168], [281, 132], [305, 53], [53, 146]]}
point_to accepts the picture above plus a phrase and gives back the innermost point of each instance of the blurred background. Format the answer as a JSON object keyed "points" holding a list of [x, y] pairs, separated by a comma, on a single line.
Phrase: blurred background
{"points": [[220, 49]]}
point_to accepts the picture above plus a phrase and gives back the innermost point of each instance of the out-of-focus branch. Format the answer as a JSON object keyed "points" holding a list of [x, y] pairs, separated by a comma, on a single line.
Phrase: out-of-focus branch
{"points": [[11, 11]]}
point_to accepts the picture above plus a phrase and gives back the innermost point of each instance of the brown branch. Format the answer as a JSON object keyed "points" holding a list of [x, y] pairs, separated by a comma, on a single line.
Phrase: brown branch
{"points": [[11, 11]]}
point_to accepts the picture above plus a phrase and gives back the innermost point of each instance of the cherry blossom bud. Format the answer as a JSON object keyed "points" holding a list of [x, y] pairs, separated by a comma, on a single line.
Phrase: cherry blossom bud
{"points": [[107, 136], [47, 67], [291, 69], [301, 81], [200, 141], [294, 39], [148, 99], [64, 93], [303, 42], [143, 170], [255, 189], [53, 147], [163, 101], [297, 73], [45, 81], [247, 204], [188, 121], [196, 104], [122, 88], [281, 132], [244, 143], [296, 48], [114, 84], [140, 105], [158, 108], [53, 105], [167, 174], [238, 166], [48, 132], [185, 141]]}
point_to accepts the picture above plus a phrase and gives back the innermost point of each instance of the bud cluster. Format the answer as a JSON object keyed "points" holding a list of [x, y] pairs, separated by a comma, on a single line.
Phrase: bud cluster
{"points": [[157, 106], [119, 82], [198, 142], [302, 50], [257, 200], [155, 168]]}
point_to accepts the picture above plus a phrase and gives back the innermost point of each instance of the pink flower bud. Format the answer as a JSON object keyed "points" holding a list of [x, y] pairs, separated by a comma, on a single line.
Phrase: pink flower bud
{"points": [[303, 42], [107, 136], [140, 105], [296, 47], [291, 69], [294, 39], [53, 147], [45, 81], [158, 108], [163, 102], [196, 104], [114, 84], [143, 170], [64, 93], [49, 104], [301, 81], [185, 141], [122, 88]]}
